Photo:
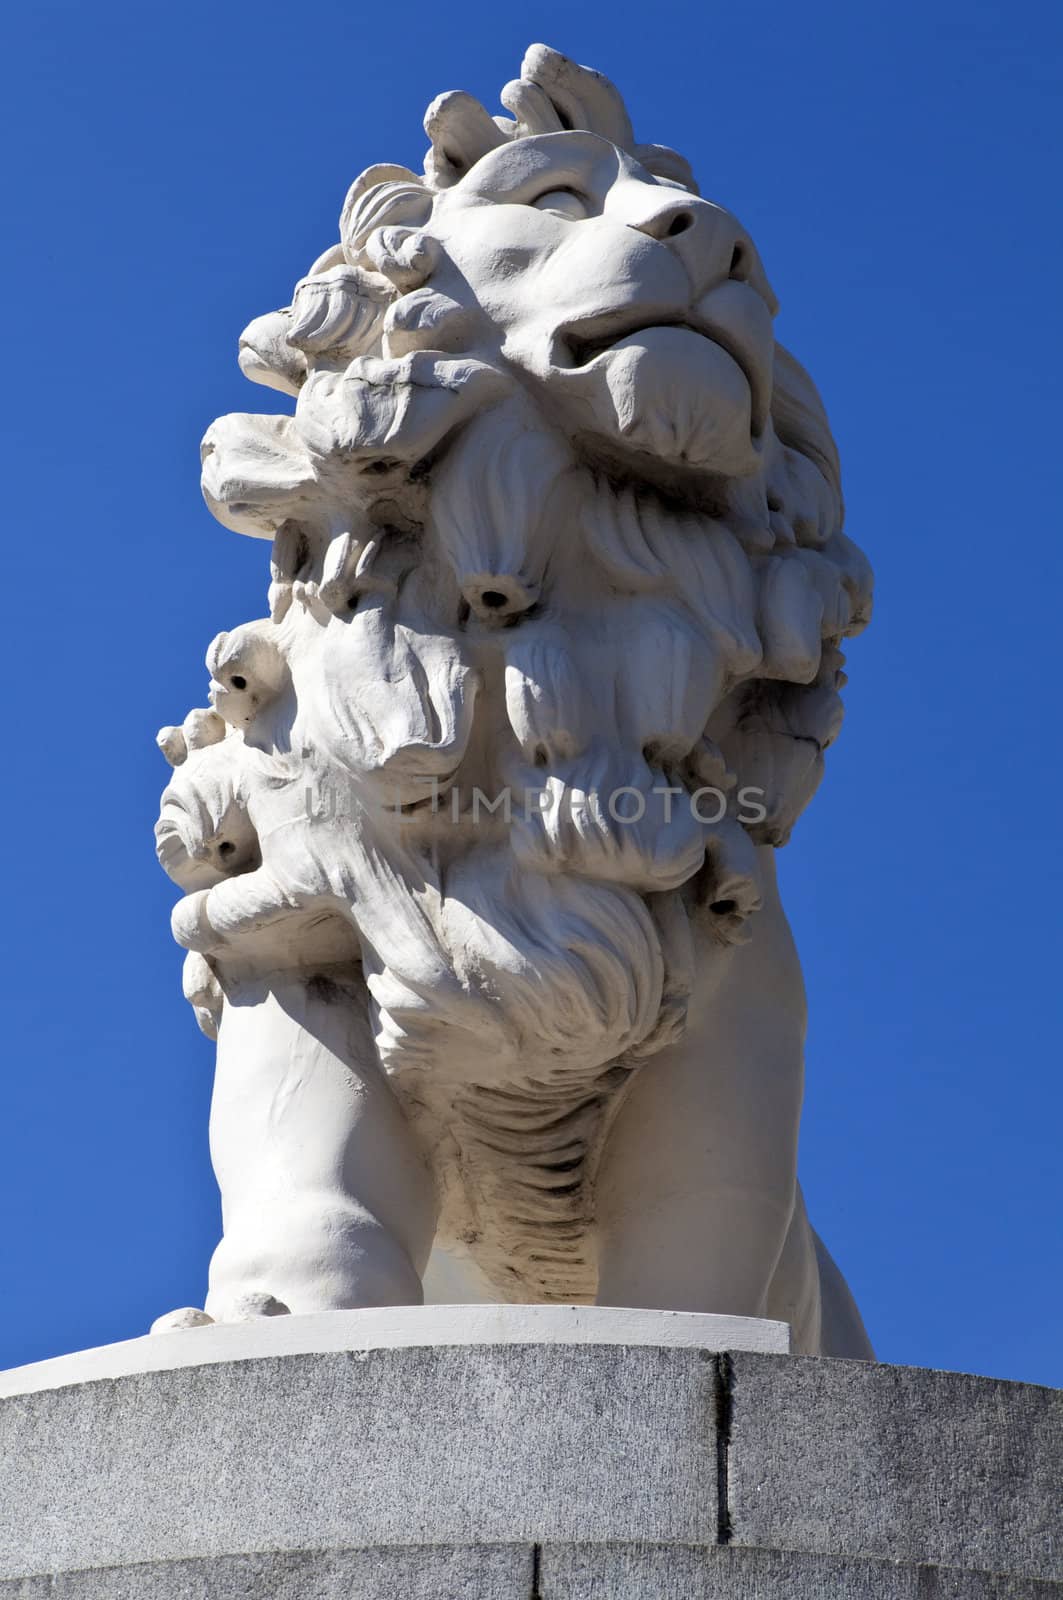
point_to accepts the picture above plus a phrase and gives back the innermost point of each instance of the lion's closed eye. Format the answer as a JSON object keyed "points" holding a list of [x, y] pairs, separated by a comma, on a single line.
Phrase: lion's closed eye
{"points": [[564, 203]]}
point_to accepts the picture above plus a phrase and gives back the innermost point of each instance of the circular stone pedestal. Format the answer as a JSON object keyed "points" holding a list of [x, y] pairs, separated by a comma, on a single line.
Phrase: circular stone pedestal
{"points": [[519, 1453]]}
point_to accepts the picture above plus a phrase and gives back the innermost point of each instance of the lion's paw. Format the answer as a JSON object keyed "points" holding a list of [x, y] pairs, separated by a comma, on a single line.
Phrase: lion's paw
{"points": [[249, 1307], [183, 1317]]}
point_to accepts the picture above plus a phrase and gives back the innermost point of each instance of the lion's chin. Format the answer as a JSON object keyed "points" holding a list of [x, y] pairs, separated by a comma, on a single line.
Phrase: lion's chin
{"points": [[666, 393]]}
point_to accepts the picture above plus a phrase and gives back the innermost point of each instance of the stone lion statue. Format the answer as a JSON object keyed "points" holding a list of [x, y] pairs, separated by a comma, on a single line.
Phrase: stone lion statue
{"points": [[477, 836]]}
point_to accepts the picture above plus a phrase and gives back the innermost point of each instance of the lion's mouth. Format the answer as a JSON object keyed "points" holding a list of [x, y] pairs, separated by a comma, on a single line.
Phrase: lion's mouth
{"points": [[733, 317]]}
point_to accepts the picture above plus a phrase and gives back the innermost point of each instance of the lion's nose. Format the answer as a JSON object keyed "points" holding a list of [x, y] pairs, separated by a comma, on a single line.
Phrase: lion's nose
{"points": [[707, 238], [710, 242]]}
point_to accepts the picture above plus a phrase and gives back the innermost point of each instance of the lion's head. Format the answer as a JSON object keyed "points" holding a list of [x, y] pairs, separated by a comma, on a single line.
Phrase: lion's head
{"points": [[554, 514], [625, 301]]}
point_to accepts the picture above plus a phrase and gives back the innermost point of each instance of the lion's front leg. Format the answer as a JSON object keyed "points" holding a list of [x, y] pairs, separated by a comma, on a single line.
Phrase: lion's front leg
{"points": [[698, 1176], [326, 1201]]}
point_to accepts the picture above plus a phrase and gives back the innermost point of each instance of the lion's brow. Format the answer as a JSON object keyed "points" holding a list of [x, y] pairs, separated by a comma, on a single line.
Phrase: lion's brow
{"points": [[571, 158]]}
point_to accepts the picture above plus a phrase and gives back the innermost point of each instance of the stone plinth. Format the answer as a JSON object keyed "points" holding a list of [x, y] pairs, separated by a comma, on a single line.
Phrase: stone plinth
{"points": [[586, 1455]]}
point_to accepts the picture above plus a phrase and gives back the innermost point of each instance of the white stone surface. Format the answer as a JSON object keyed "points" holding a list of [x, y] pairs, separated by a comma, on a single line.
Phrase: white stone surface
{"points": [[400, 1328], [476, 836]]}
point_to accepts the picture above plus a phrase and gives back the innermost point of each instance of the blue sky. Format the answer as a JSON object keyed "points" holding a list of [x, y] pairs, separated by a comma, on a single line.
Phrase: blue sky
{"points": [[174, 171]]}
